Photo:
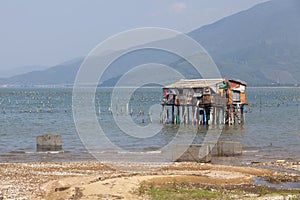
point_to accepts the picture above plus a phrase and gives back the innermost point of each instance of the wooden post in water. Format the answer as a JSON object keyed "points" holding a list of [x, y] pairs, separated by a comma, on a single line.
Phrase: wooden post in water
{"points": [[218, 116], [229, 116], [99, 108], [197, 114], [177, 120], [204, 116], [173, 121], [215, 116], [260, 104], [188, 114], [193, 114], [183, 114], [117, 109], [127, 108], [167, 113], [163, 114], [221, 116], [208, 115], [242, 115], [211, 116], [232, 116]]}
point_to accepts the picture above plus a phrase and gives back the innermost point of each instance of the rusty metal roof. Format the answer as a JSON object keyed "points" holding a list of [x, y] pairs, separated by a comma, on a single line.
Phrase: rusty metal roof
{"points": [[195, 83]]}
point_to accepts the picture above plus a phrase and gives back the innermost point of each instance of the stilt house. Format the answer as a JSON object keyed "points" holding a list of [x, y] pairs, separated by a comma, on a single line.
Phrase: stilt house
{"points": [[204, 102]]}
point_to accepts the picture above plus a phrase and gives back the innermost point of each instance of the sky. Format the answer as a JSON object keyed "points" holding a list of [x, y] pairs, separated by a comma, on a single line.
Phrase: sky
{"points": [[46, 33]]}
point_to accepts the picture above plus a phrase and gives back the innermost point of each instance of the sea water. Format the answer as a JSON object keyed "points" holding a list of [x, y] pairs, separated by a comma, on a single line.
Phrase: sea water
{"points": [[271, 130]]}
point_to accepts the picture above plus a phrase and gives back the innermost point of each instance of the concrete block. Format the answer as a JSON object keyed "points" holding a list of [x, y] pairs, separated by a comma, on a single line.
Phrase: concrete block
{"points": [[49, 143], [191, 153], [225, 148]]}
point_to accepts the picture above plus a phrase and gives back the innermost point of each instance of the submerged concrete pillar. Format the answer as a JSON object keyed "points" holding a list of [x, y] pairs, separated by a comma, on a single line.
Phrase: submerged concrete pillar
{"points": [[49, 143]]}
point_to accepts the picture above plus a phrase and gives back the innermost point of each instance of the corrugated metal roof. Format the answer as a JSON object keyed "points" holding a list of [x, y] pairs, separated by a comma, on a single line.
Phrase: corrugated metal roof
{"points": [[195, 83], [238, 81]]}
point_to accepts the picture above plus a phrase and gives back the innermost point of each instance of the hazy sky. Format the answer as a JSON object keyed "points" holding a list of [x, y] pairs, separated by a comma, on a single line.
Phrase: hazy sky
{"points": [[35, 32]]}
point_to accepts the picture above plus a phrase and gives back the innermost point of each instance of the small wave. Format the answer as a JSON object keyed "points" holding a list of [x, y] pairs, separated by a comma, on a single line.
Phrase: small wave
{"points": [[250, 151], [101, 152], [36, 152], [140, 152], [127, 152], [49, 152]]}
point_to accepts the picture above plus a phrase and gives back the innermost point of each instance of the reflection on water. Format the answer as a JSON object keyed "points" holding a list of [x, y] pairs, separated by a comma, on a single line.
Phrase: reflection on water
{"points": [[279, 186]]}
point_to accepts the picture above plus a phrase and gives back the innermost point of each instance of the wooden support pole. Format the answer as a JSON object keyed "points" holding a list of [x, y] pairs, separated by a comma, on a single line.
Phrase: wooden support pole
{"points": [[117, 109], [183, 114], [193, 114], [208, 119], [173, 121], [167, 113], [188, 114], [232, 118], [197, 114], [215, 115], [224, 110], [178, 115], [163, 114], [234, 112], [211, 116], [260, 104], [127, 108], [242, 115], [221, 116], [205, 116]]}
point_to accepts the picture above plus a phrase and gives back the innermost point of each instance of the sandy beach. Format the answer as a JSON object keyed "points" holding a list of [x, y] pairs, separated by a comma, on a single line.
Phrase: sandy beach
{"points": [[127, 180]]}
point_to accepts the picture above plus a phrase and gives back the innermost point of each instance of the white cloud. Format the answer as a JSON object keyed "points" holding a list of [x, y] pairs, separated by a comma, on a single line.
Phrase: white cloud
{"points": [[178, 7]]}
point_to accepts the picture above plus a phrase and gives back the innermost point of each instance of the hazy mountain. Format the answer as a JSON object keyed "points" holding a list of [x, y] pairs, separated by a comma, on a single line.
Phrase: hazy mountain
{"points": [[62, 74], [260, 45], [20, 70]]}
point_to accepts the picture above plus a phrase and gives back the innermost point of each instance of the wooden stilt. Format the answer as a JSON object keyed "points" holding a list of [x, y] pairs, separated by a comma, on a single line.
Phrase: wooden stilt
{"points": [[173, 121], [183, 114], [162, 119], [167, 112], [211, 116], [193, 114], [177, 120], [127, 108], [197, 115], [215, 116], [188, 114]]}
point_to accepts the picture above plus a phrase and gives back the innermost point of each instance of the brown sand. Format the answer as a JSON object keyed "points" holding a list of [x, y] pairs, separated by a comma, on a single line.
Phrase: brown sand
{"points": [[95, 180]]}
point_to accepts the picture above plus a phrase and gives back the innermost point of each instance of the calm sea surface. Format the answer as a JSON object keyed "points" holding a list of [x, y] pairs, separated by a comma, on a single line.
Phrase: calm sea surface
{"points": [[271, 130]]}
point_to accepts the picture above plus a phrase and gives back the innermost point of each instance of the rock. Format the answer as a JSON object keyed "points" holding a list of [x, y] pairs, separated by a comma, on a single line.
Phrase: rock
{"points": [[61, 189]]}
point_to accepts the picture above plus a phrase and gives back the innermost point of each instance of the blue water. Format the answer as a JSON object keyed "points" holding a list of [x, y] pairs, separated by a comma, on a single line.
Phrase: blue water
{"points": [[271, 130]]}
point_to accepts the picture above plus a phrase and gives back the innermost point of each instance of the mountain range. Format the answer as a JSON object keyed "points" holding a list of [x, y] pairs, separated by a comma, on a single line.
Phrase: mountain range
{"points": [[260, 45]]}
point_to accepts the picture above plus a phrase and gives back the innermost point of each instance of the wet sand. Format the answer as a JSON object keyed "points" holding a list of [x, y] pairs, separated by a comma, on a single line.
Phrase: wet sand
{"points": [[113, 180]]}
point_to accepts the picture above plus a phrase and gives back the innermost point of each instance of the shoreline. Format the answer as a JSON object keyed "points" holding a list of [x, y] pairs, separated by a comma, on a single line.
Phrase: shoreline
{"points": [[67, 180]]}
